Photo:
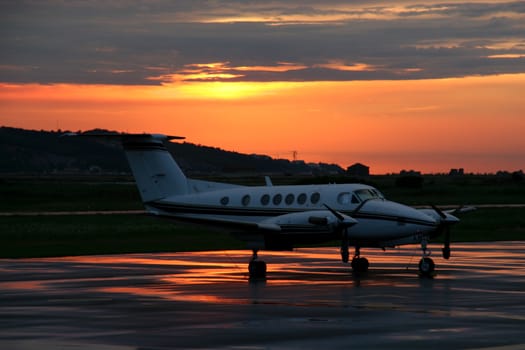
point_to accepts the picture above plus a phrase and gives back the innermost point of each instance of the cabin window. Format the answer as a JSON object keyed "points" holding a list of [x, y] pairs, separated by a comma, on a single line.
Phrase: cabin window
{"points": [[315, 197], [246, 200], [343, 198], [355, 200], [301, 199], [289, 198], [277, 199], [225, 200], [265, 199]]}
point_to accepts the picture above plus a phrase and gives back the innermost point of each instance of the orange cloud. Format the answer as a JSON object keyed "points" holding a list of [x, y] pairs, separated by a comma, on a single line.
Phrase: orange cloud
{"points": [[340, 65], [507, 55], [221, 71], [281, 67]]}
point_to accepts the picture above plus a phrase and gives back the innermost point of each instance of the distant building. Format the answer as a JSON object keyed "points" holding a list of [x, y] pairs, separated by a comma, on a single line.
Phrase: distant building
{"points": [[409, 179], [456, 172], [358, 169], [410, 173]]}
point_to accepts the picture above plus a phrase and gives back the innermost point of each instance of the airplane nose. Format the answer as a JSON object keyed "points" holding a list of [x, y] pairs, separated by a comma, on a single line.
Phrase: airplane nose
{"points": [[403, 212], [423, 217], [418, 216]]}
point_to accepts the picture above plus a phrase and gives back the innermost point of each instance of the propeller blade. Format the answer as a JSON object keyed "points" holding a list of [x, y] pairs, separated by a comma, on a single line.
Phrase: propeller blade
{"points": [[445, 226], [344, 224], [439, 211], [446, 247], [345, 244], [337, 214], [345, 221], [458, 210], [462, 210]]}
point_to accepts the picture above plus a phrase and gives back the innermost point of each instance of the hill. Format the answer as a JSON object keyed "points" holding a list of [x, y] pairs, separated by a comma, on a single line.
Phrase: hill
{"points": [[45, 152]]}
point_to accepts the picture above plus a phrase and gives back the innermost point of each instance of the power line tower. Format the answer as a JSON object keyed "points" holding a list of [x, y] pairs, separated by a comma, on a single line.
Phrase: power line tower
{"points": [[294, 155]]}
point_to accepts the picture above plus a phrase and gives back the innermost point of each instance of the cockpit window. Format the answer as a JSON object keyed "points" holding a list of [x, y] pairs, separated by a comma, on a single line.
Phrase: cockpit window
{"points": [[366, 194]]}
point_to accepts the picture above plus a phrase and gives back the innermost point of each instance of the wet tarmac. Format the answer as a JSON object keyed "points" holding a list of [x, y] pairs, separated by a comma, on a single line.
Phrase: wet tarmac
{"points": [[309, 301]]}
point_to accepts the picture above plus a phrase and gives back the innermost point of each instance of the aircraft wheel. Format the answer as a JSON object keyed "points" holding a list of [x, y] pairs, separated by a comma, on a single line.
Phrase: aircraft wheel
{"points": [[426, 266], [364, 264], [257, 269], [360, 265], [344, 256]]}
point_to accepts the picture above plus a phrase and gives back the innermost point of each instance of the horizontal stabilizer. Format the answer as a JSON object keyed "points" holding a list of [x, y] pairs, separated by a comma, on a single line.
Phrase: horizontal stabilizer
{"points": [[125, 136]]}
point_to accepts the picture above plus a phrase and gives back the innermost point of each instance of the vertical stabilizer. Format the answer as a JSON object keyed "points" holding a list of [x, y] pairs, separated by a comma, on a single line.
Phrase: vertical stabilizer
{"points": [[156, 173]]}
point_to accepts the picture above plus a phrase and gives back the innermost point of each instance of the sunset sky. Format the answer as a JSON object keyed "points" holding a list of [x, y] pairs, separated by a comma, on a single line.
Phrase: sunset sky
{"points": [[424, 85]]}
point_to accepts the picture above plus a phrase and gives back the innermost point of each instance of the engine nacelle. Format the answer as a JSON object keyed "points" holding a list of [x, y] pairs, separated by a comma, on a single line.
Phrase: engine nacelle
{"points": [[311, 218]]}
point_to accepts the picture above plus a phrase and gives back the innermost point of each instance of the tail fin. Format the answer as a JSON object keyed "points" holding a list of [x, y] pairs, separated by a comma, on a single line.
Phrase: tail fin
{"points": [[155, 171]]}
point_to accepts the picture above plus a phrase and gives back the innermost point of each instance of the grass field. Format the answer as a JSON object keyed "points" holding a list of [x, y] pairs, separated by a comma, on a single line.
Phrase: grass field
{"points": [[40, 236], [59, 235]]}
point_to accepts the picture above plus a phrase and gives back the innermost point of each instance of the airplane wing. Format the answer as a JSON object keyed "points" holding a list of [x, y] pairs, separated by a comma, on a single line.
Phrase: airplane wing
{"points": [[223, 223], [305, 221]]}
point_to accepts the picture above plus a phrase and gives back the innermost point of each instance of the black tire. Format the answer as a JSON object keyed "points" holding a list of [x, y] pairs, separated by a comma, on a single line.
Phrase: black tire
{"points": [[364, 264], [257, 269], [446, 253], [360, 265], [426, 266]]}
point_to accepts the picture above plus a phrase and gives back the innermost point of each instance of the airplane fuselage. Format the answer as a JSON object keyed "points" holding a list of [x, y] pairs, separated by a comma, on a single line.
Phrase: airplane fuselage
{"points": [[378, 220]]}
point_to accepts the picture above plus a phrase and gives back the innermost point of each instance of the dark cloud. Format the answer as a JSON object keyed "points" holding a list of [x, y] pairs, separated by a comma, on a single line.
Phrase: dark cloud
{"points": [[130, 42]]}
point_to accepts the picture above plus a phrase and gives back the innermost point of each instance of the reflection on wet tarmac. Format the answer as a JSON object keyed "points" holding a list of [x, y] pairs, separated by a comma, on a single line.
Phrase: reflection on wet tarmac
{"points": [[166, 272], [476, 299]]}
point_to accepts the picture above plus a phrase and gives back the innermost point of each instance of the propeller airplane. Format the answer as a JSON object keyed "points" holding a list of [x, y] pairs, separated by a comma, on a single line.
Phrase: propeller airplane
{"points": [[280, 217]]}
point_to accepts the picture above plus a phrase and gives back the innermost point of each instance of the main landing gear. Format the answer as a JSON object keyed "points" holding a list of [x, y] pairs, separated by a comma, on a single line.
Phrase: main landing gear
{"points": [[359, 264], [257, 268], [426, 264]]}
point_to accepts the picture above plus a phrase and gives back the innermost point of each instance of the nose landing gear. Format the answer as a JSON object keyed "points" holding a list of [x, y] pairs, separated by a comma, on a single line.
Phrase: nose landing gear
{"points": [[426, 264]]}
